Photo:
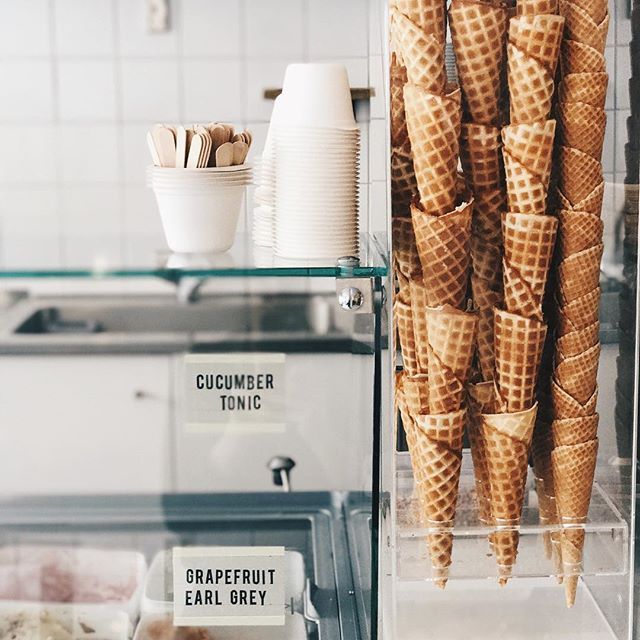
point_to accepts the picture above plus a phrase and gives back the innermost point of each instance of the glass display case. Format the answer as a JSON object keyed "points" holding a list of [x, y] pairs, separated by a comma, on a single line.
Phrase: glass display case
{"points": [[238, 409], [491, 517]]}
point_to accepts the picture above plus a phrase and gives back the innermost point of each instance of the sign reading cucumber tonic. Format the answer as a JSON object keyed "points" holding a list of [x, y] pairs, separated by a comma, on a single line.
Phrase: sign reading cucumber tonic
{"points": [[242, 391], [234, 586]]}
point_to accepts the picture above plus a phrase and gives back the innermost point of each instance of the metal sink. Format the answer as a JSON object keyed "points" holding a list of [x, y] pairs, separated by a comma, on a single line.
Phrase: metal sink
{"points": [[237, 315], [162, 324]]}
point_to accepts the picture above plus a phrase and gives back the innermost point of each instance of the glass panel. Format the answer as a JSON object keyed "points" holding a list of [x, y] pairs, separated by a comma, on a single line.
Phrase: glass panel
{"points": [[243, 259]]}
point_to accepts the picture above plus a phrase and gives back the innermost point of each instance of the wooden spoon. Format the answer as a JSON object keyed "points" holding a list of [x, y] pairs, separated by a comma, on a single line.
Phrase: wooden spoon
{"points": [[240, 151], [224, 155]]}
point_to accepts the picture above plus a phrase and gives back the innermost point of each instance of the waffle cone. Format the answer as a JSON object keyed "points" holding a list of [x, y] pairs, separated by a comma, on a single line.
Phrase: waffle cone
{"points": [[418, 293], [591, 204], [578, 375], [578, 57], [433, 122], [564, 406], [580, 26], [507, 440], [429, 15], [404, 322], [536, 7], [478, 32], [577, 232], [485, 340], [444, 248], [486, 237], [407, 421], [579, 274], [579, 173], [596, 9], [530, 87], [582, 127], [541, 447], [416, 394], [584, 87], [576, 342], [531, 145], [573, 470], [405, 251], [439, 458], [398, 78], [529, 241], [403, 179], [525, 192], [518, 349], [422, 53], [480, 156], [480, 400], [579, 313], [451, 338], [573, 431], [538, 37]]}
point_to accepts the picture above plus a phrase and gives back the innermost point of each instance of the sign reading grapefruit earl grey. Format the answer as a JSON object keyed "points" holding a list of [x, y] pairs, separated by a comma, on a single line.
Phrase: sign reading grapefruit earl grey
{"points": [[234, 586], [243, 391]]}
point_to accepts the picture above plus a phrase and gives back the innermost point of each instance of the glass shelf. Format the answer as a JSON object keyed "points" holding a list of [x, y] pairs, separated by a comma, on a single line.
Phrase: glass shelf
{"points": [[606, 535], [244, 259]]}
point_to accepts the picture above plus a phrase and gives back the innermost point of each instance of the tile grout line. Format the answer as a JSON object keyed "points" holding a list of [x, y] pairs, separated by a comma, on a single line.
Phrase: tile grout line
{"points": [[56, 133], [119, 97]]}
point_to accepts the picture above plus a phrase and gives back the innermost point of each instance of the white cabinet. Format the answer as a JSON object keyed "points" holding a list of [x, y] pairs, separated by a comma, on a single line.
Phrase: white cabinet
{"points": [[88, 424]]}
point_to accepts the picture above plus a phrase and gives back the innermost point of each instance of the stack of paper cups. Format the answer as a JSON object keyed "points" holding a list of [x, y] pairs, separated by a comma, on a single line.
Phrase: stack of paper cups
{"points": [[317, 148]]}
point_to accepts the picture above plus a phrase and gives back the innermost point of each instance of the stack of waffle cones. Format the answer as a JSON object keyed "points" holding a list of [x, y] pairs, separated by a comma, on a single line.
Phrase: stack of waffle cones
{"points": [[432, 290], [478, 32], [581, 121], [533, 49]]}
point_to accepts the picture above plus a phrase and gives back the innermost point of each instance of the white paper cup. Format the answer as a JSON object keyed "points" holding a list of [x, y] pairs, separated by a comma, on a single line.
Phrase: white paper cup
{"points": [[202, 221], [317, 95]]}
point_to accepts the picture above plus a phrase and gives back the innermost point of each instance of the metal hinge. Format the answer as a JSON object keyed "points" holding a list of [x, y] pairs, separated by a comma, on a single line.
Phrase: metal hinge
{"points": [[354, 294]]}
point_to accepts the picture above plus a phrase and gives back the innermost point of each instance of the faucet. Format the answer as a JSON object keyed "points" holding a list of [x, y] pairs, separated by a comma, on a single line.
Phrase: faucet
{"points": [[188, 290], [280, 467]]}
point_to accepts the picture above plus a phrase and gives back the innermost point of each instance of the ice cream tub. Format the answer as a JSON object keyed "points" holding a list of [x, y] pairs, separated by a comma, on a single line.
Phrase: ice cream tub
{"points": [[60, 578], [160, 627]]}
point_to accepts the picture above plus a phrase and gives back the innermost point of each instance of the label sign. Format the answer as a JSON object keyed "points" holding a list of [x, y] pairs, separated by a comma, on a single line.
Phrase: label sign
{"points": [[243, 391], [234, 586]]}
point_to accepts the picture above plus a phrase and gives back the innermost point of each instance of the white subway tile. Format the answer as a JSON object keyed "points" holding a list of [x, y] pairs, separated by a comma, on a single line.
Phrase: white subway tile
{"points": [[87, 90], [621, 80], [30, 228], [377, 28], [378, 101], [275, 29], [26, 90], [150, 90], [610, 56], [212, 90], [608, 150], [622, 137], [135, 152], [19, 18], [84, 28], [338, 28], [144, 241], [211, 27], [261, 75], [378, 207], [365, 159], [88, 153], [135, 38], [92, 226], [378, 150], [364, 211], [259, 132], [28, 154]]}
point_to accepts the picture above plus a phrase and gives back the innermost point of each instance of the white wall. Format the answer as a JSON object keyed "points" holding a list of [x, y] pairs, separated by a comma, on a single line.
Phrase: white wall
{"points": [[81, 81]]}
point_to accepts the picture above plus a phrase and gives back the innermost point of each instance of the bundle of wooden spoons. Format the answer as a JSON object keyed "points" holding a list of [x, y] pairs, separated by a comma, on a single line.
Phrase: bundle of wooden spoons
{"points": [[199, 146]]}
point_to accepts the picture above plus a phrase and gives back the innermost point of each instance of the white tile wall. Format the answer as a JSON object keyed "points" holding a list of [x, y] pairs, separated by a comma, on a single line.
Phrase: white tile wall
{"points": [[80, 82]]}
